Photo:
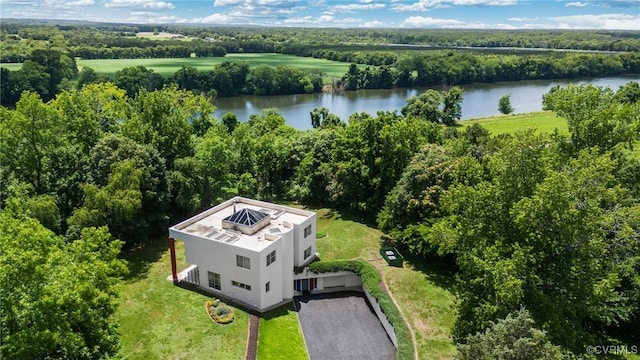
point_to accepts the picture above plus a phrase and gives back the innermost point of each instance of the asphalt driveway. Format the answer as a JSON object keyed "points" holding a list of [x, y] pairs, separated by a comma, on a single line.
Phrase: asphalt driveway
{"points": [[342, 326]]}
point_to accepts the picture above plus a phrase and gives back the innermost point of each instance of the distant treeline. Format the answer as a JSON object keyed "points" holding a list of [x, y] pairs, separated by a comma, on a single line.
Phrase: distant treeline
{"points": [[116, 41], [433, 68]]}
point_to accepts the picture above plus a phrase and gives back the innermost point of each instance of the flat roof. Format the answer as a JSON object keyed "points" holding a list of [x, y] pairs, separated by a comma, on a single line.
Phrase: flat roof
{"points": [[208, 224]]}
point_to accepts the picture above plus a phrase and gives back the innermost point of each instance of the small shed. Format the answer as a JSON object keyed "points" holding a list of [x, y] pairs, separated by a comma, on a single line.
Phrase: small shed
{"points": [[392, 256]]}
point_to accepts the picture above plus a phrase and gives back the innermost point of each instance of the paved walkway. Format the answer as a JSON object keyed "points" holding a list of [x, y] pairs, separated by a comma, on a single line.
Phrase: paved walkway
{"points": [[252, 342], [342, 326]]}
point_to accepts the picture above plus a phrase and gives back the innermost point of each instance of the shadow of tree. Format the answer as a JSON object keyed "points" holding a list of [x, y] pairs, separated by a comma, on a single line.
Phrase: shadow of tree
{"points": [[441, 271], [141, 256]]}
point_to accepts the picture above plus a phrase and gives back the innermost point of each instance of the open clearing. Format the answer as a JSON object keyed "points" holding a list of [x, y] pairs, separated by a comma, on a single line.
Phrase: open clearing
{"points": [[541, 121]]}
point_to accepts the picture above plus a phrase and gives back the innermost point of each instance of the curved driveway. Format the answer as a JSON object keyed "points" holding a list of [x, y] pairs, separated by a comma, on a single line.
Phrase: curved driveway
{"points": [[342, 326]]}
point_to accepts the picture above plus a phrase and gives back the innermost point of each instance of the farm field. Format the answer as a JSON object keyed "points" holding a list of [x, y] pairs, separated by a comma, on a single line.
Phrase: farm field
{"points": [[167, 67]]}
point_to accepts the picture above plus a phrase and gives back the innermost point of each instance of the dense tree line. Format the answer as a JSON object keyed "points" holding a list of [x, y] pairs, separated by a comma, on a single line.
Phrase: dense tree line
{"points": [[434, 68]]}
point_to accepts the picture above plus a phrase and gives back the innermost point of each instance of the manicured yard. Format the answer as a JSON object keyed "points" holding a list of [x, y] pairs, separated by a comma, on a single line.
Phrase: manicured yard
{"points": [[160, 321], [347, 238], [280, 335], [543, 121]]}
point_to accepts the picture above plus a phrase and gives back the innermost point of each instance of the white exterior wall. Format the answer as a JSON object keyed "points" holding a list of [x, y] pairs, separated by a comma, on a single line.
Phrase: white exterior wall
{"points": [[302, 243], [272, 274], [220, 258]]}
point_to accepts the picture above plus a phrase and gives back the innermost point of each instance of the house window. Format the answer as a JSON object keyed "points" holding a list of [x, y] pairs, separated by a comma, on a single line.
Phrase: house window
{"points": [[267, 286], [243, 262], [241, 285], [271, 258], [307, 231], [214, 280], [307, 253]]}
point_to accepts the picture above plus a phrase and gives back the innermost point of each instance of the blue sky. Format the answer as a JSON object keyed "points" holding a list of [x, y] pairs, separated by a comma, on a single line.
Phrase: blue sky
{"points": [[465, 14]]}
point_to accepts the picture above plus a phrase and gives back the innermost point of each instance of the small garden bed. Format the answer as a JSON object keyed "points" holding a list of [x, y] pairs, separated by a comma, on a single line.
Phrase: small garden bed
{"points": [[219, 312], [392, 256]]}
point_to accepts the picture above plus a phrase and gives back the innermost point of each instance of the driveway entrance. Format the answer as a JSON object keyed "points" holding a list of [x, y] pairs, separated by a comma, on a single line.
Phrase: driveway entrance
{"points": [[342, 326]]}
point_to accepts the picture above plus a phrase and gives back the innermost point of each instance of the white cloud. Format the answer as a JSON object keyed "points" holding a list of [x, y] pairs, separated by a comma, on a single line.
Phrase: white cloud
{"points": [[213, 19], [576, 4], [80, 3], [422, 5], [145, 4], [374, 24], [420, 21], [518, 19], [485, 2], [357, 7], [227, 2], [426, 5], [603, 21]]}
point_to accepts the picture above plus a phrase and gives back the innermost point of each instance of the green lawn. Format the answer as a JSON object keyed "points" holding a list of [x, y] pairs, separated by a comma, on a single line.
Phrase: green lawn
{"points": [[281, 336], [347, 238], [543, 121], [161, 321], [167, 67]]}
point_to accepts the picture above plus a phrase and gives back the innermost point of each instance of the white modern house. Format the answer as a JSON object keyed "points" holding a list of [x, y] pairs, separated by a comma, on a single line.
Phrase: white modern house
{"points": [[247, 250]]}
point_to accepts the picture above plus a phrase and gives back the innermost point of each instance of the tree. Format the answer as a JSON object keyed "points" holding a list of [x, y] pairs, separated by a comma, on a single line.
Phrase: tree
{"points": [[89, 76], [512, 338], [426, 106], [29, 134], [554, 234], [452, 106], [62, 294], [136, 78], [117, 205], [504, 105], [230, 120], [593, 116]]}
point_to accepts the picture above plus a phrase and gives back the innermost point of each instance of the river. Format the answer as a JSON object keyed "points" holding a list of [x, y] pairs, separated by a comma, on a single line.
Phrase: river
{"points": [[479, 100]]}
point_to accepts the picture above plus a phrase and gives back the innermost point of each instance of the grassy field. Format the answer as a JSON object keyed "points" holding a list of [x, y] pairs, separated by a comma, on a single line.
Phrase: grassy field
{"points": [[543, 121], [281, 335], [161, 321], [167, 67]]}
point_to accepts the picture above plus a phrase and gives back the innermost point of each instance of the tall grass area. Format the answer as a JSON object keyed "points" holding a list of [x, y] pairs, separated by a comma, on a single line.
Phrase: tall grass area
{"points": [[542, 121], [167, 67], [161, 321], [281, 336]]}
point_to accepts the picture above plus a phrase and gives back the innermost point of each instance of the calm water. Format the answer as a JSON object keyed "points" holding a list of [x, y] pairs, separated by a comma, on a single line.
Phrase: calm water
{"points": [[479, 100]]}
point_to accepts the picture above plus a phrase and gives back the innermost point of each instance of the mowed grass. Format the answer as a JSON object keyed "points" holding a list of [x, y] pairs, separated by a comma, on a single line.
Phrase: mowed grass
{"points": [[167, 67], [542, 121], [347, 238], [424, 293], [422, 289], [161, 321], [281, 336]]}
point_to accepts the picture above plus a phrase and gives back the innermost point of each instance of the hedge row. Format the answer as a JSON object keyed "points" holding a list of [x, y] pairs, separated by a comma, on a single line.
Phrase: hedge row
{"points": [[371, 281]]}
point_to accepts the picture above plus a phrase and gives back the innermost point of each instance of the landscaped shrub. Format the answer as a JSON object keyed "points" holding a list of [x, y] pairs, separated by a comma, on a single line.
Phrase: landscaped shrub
{"points": [[371, 280], [220, 313]]}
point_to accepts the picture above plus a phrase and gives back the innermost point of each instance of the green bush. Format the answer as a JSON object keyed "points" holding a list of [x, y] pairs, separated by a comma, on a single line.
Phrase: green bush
{"points": [[371, 281], [320, 235]]}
